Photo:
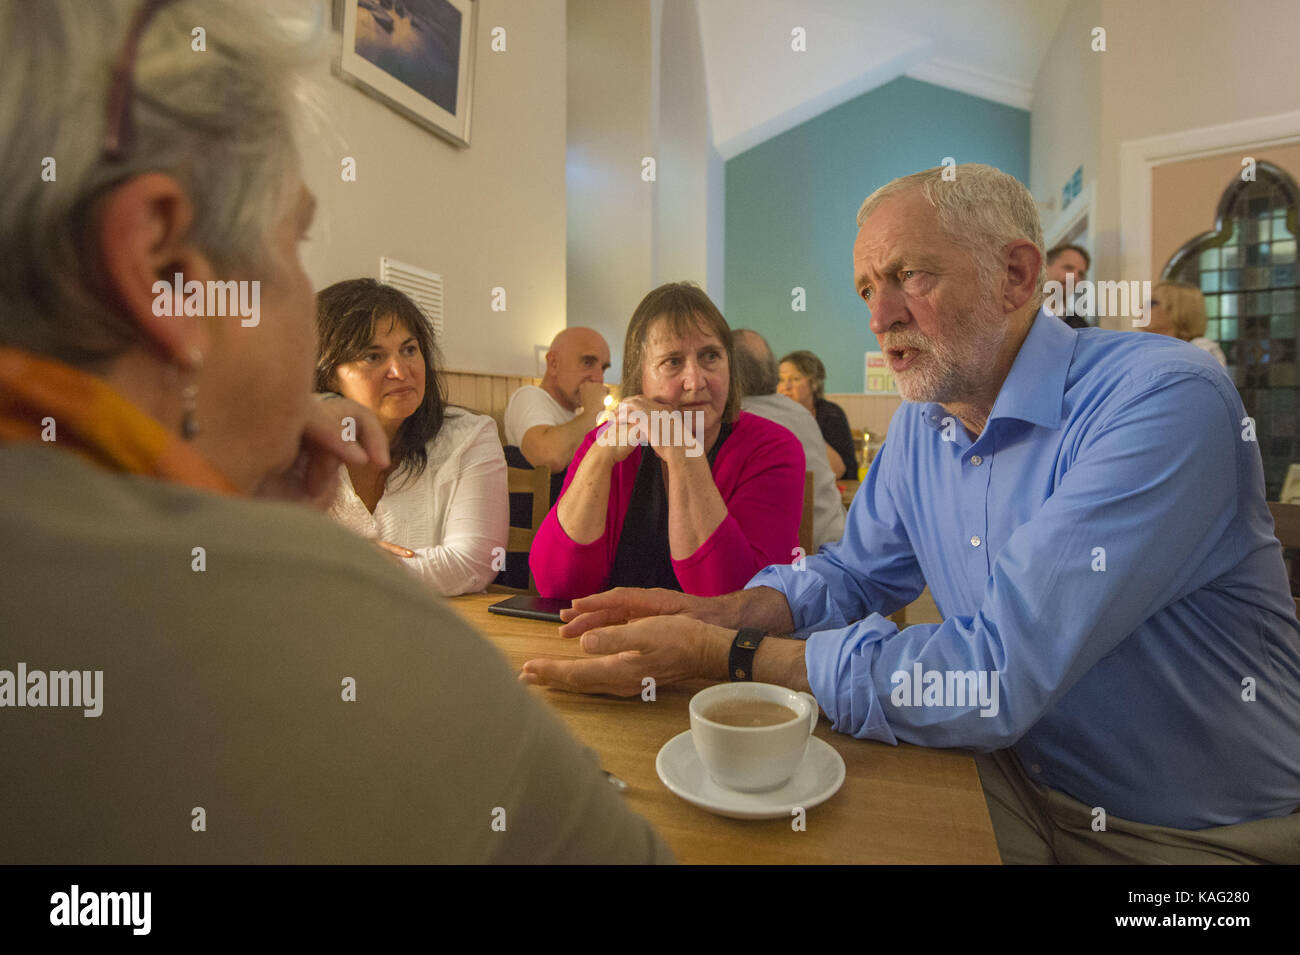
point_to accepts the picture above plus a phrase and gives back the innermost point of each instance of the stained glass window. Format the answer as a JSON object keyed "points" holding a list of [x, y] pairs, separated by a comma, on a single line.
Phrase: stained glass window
{"points": [[1246, 268]]}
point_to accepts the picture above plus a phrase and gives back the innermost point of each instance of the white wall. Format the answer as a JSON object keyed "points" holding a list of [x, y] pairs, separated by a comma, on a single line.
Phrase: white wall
{"points": [[610, 209], [1065, 123], [636, 88], [1169, 66], [1175, 65], [682, 192], [490, 215], [716, 252]]}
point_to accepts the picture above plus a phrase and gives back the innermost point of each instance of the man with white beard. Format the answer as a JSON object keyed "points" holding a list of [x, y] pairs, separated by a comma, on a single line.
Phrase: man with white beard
{"points": [[1089, 513]]}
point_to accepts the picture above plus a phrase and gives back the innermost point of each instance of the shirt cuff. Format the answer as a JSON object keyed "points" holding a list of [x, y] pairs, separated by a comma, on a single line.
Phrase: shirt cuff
{"points": [[809, 597], [839, 673]]}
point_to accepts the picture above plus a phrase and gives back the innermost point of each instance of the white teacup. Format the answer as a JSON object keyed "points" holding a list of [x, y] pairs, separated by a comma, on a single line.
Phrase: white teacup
{"points": [[752, 759]]}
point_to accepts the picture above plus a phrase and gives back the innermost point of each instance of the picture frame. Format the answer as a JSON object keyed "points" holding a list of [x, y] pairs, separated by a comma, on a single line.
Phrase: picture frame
{"points": [[416, 56]]}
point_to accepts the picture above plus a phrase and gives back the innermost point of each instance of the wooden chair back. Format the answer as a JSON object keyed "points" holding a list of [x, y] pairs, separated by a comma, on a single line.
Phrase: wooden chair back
{"points": [[537, 482], [1286, 525]]}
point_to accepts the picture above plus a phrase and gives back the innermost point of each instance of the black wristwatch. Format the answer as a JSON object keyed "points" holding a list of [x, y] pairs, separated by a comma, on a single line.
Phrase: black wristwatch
{"points": [[740, 664]]}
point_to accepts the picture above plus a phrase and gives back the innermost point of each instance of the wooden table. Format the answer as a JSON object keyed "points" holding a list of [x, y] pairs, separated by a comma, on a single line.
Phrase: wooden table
{"points": [[898, 804]]}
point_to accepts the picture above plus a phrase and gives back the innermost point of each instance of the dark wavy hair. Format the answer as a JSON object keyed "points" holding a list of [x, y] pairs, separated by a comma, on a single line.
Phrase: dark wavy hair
{"points": [[683, 306], [347, 314]]}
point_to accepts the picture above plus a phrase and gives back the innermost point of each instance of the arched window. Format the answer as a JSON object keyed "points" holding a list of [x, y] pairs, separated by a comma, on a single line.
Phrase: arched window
{"points": [[1246, 267]]}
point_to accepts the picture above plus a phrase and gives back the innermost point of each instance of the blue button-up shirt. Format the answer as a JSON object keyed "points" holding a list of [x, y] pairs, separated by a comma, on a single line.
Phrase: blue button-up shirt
{"points": [[1105, 564]]}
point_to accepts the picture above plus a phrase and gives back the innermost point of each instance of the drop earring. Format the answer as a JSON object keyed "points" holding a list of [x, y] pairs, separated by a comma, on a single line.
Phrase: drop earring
{"points": [[189, 398]]}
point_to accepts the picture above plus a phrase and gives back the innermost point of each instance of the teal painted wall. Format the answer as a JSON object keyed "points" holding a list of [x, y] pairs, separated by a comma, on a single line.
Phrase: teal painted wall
{"points": [[792, 203]]}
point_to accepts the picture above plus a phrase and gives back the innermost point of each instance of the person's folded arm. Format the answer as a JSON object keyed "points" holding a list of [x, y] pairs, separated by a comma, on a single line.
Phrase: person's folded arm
{"points": [[552, 445], [1149, 492], [561, 566], [835, 462], [761, 523], [695, 507], [477, 521], [839, 439]]}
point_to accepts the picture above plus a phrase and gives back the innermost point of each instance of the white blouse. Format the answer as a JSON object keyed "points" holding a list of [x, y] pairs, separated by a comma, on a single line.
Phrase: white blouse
{"points": [[453, 516], [1211, 346]]}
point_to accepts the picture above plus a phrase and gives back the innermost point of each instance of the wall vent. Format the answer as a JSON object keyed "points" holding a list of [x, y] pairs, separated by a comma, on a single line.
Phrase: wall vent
{"points": [[422, 286]]}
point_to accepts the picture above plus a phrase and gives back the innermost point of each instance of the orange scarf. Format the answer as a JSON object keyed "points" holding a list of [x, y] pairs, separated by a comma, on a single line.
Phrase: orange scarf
{"points": [[93, 420]]}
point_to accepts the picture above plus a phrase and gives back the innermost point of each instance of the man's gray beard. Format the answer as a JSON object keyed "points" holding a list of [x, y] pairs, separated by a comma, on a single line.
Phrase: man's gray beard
{"points": [[956, 370]]}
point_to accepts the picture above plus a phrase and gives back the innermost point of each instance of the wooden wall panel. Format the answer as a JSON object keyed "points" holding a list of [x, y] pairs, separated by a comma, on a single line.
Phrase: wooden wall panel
{"points": [[868, 412], [484, 393]]}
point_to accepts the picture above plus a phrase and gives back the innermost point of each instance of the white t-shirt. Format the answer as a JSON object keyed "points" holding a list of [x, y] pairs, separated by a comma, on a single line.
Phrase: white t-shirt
{"points": [[453, 515], [828, 506], [529, 407]]}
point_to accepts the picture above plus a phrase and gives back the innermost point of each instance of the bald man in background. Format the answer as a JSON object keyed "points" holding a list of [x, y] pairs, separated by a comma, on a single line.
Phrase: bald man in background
{"points": [[547, 423]]}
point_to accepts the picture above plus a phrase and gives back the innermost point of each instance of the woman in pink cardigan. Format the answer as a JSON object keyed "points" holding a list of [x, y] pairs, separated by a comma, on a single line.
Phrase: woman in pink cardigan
{"points": [[681, 489]]}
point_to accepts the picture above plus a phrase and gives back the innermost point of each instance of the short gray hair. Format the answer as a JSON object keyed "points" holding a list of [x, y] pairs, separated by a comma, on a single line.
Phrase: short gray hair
{"points": [[218, 120], [756, 373], [980, 208]]}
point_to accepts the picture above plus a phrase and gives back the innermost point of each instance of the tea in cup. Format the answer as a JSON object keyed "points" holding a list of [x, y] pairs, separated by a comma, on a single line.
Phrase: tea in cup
{"points": [[751, 737]]}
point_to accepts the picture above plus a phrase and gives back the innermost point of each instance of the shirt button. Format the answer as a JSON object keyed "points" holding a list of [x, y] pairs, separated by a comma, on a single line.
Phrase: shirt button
{"points": [[1036, 768], [976, 460], [974, 542]]}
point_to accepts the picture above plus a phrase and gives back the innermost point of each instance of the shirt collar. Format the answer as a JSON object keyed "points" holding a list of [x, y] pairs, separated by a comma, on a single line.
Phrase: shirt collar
{"points": [[1035, 387]]}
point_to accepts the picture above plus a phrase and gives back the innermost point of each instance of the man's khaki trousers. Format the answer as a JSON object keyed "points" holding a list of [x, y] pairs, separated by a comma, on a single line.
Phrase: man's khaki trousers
{"points": [[1036, 825]]}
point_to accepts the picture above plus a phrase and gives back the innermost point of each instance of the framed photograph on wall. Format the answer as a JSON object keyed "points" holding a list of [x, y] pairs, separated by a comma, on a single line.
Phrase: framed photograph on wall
{"points": [[415, 55]]}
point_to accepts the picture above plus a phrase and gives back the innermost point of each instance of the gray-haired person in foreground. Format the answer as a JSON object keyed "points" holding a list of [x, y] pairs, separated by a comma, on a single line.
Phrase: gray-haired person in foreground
{"points": [[271, 688]]}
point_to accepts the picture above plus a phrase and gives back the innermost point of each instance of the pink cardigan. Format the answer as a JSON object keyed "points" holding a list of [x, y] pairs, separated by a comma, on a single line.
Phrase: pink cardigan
{"points": [[759, 472]]}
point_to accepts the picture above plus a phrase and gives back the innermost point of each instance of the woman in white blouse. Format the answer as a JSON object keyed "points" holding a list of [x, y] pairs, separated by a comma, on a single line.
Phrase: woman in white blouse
{"points": [[441, 507]]}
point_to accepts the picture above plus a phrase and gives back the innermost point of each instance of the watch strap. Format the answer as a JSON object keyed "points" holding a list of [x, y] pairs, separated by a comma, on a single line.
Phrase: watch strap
{"points": [[740, 663]]}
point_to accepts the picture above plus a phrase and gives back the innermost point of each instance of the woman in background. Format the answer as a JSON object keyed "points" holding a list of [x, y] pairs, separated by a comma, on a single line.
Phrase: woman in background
{"points": [[645, 508], [803, 378], [1178, 310], [441, 505]]}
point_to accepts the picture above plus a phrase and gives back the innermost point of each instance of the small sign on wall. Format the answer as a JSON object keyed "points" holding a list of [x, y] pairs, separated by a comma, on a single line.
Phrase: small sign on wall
{"points": [[880, 377], [1072, 187]]}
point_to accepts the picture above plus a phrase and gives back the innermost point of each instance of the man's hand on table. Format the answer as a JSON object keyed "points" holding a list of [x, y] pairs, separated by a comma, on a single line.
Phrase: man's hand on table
{"points": [[669, 649], [628, 603], [634, 633]]}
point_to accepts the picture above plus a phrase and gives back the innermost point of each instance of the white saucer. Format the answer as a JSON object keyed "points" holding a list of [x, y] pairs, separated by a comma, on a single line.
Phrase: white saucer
{"points": [[817, 779]]}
